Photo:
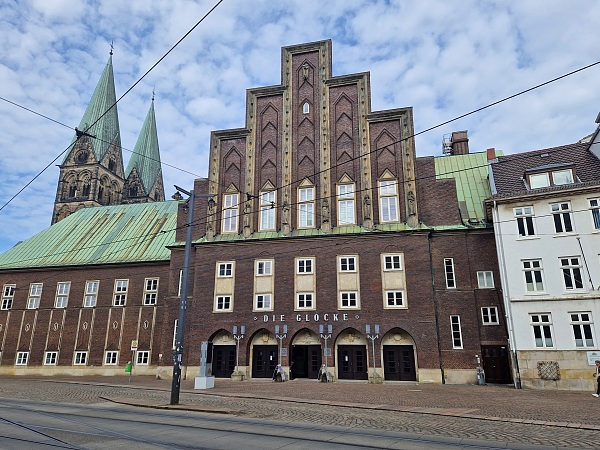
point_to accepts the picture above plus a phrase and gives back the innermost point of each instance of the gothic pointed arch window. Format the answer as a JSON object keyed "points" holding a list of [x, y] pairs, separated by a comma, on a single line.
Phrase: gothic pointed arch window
{"points": [[306, 108], [111, 164], [133, 191]]}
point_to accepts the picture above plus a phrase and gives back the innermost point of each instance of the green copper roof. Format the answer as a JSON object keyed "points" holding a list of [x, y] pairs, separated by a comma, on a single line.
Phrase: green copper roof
{"points": [[100, 235], [471, 174], [106, 129], [146, 156]]}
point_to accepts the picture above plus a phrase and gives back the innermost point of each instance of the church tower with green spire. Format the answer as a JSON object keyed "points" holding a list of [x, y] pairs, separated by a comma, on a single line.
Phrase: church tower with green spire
{"points": [[92, 174]]}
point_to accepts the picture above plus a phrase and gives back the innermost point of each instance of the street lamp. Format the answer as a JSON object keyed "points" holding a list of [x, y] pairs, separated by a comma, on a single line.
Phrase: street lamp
{"points": [[237, 336], [372, 337], [325, 336], [177, 356]]}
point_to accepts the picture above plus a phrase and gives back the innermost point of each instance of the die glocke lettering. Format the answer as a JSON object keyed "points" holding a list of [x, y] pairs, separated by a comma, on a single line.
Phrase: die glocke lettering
{"points": [[327, 317]]}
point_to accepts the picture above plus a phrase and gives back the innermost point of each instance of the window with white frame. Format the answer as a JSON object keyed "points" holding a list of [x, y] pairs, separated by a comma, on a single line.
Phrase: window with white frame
{"points": [[388, 201], [542, 330], [524, 217], [50, 358], [485, 279], [561, 213], [80, 358], [394, 299], [150, 291], [230, 213], [120, 293], [305, 265], [264, 268], [392, 262], [347, 263], [572, 273], [142, 358], [35, 294], [305, 300], [91, 293], [22, 358], [267, 210], [595, 210], [263, 301], [62, 294], [225, 269], [345, 203], [532, 269], [449, 271], [581, 322], [456, 332], [348, 299], [306, 207], [111, 358], [223, 303], [552, 178], [8, 295], [489, 315]]}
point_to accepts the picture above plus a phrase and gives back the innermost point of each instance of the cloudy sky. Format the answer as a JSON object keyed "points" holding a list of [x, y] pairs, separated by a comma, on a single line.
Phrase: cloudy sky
{"points": [[443, 58]]}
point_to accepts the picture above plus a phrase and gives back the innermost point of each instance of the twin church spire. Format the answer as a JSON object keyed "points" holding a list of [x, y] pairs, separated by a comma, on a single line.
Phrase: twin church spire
{"points": [[92, 172]]}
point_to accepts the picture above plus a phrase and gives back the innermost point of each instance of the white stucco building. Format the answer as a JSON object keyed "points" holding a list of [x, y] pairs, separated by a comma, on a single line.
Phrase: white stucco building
{"points": [[545, 206]]}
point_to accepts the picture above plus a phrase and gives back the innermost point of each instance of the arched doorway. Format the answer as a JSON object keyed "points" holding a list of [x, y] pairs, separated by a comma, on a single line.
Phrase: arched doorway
{"points": [[351, 355], [398, 349], [306, 355], [223, 354], [264, 354]]}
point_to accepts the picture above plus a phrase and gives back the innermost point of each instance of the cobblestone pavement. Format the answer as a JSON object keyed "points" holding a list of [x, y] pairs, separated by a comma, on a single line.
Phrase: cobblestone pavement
{"points": [[528, 417]]}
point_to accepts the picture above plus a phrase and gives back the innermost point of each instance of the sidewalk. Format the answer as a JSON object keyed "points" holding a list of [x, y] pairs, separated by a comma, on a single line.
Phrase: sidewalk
{"points": [[570, 409]]}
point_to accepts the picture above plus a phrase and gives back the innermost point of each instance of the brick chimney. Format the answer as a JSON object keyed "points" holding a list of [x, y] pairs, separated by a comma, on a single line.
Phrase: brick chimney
{"points": [[459, 142], [491, 154]]}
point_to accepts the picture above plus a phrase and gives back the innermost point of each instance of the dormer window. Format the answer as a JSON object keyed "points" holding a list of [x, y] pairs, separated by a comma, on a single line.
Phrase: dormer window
{"points": [[540, 178]]}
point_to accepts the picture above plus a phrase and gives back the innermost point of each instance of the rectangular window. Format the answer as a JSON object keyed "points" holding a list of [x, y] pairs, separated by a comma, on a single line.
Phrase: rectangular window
{"points": [[524, 217], [394, 299], [304, 266], [456, 332], [542, 330], [22, 358], [120, 294], [111, 358], [595, 210], [306, 207], [562, 177], [489, 315], [35, 293], [485, 279], [388, 201], [264, 268], [347, 264], [150, 291], [50, 358], [561, 213], [230, 213], [348, 299], [539, 180], [392, 262], [62, 294], [223, 303], [572, 275], [142, 358], [263, 301], [532, 270], [80, 359], [267, 210], [91, 293], [449, 270], [8, 294], [225, 270], [345, 204], [582, 329], [305, 300]]}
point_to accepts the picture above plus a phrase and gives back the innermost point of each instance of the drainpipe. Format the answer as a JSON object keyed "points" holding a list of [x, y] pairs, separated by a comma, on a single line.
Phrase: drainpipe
{"points": [[435, 309], [506, 298]]}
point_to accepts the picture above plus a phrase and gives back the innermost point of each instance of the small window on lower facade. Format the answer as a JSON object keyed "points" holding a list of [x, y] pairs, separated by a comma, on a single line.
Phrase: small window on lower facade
{"points": [[485, 279], [263, 301], [394, 299], [542, 330], [349, 300], [22, 358], [50, 358], [80, 358], [223, 303], [456, 332], [581, 322], [111, 358], [489, 315], [142, 358], [305, 300]]}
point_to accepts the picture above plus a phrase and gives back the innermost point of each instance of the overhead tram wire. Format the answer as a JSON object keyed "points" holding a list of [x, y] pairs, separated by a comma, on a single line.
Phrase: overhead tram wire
{"points": [[117, 101]]}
